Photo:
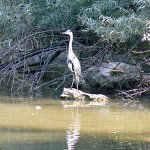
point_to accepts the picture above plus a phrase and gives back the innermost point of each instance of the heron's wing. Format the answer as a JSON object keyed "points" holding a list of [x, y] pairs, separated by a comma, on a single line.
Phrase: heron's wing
{"points": [[70, 65], [77, 66], [77, 69]]}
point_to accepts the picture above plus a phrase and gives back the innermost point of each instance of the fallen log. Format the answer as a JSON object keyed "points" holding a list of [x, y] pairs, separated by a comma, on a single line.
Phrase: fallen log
{"points": [[75, 94]]}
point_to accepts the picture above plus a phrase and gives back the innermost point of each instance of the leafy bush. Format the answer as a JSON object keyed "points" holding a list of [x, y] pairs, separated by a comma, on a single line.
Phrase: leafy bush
{"points": [[111, 19], [116, 20]]}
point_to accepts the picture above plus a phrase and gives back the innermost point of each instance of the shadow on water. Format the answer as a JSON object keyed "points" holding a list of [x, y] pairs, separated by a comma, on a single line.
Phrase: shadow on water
{"points": [[28, 124]]}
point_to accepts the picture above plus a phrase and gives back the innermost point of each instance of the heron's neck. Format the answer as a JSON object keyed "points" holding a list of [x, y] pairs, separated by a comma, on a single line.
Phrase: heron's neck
{"points": [[70, 44]]}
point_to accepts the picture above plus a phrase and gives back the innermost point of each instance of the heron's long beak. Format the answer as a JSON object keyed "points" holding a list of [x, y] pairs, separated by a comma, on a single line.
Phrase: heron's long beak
{"points": [[63, 33]]}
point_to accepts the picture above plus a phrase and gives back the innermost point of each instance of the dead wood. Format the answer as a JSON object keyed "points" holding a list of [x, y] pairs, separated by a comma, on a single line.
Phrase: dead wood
{"points": [[75, 94]]}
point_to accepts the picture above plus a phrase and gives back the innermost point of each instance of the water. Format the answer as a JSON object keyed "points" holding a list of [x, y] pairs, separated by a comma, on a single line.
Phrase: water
{"points": [[46, 124]]}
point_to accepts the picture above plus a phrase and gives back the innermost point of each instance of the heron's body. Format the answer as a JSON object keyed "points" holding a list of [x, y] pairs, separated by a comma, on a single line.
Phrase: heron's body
{"points": [[72, 61]]}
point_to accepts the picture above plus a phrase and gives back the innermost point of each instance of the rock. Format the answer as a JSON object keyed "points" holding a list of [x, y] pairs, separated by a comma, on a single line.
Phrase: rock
{"points": [[110, 74], [53, 71]]}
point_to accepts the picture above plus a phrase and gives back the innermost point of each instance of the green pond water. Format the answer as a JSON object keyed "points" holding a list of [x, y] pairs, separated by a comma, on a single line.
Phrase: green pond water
{"points": [[48, 124]]}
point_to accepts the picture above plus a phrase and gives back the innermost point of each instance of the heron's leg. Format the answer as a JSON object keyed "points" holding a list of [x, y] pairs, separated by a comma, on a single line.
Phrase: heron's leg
{"points": [[72, 82], [77, 86]]}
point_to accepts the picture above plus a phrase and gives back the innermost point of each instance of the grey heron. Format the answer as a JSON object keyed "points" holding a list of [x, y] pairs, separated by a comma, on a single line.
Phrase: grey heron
{"points": [[73, 61]]}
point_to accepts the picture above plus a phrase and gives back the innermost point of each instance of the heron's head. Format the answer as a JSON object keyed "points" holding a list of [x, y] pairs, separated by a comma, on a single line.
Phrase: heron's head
{"points": [[68, 32]]}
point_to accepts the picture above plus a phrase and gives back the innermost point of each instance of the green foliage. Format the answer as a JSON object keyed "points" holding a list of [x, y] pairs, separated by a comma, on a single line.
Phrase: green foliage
{"points": [[111, 19], [116, 20], [15, 19], [21, 17]]}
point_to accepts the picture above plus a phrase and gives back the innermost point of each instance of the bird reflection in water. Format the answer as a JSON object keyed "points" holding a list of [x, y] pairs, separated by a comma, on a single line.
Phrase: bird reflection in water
{"points": [[73, 133]]}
